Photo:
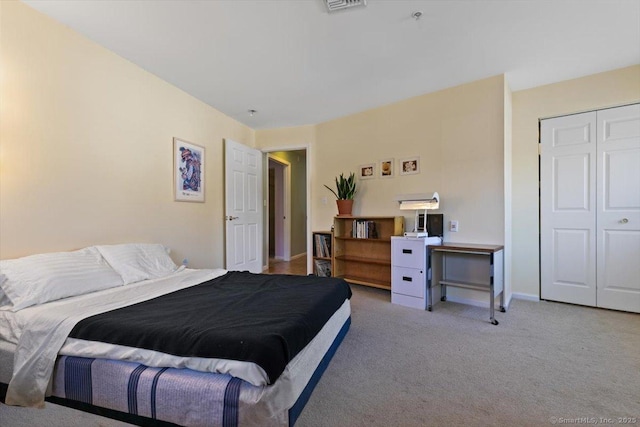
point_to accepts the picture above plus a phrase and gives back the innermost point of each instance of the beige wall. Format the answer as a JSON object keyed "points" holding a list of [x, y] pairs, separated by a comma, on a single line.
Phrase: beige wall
{"points": [[458, 135], [291, 137], [588, 93], [86, 148]]}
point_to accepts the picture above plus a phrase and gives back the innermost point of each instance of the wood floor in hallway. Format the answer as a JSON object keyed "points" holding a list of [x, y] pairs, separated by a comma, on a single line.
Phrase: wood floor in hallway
{"points": [[296, 266]]}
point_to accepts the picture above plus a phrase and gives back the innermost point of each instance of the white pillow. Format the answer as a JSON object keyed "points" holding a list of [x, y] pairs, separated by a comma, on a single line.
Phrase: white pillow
{"points": [[37, 279], [138, 261]]}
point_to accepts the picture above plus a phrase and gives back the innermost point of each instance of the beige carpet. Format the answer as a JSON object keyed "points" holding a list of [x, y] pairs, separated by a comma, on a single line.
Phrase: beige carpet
{"points": [[546, 362]]}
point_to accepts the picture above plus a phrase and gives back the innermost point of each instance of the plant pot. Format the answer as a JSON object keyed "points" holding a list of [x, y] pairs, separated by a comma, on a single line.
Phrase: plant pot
{"points": [[344, 207]]}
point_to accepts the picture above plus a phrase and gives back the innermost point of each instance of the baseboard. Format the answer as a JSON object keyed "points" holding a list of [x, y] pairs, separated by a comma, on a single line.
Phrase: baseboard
{"points": [[303, 254], [526, 297]]}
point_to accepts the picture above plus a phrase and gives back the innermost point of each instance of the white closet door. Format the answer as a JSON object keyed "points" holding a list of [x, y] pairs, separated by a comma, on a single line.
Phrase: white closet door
{"points": [[618, 201], [568, 209]]}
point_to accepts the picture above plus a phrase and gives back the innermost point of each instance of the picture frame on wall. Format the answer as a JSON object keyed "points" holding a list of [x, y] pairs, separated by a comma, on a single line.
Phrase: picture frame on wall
{"points": [[409, 165], [386, 168], [188, 171], [367, 171]]}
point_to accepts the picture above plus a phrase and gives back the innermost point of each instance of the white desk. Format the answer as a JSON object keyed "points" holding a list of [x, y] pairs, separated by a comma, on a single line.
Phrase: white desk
{"points": [[471, 266]]}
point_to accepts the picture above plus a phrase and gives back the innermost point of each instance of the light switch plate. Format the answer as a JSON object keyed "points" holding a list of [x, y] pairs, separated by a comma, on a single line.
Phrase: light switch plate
{"points": [[453, 226]]}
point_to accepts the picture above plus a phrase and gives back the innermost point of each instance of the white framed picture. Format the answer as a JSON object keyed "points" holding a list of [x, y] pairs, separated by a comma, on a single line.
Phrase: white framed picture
{"points": [[367, 171], [409, 165], [386, 168], [188, 171]]}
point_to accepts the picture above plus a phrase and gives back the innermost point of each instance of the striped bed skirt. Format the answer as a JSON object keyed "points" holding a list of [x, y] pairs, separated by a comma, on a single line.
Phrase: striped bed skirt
{"points": [[178, 396], [149, 396]]}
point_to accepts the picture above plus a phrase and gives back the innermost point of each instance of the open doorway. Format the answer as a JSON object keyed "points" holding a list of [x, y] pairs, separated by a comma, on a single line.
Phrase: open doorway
{"points": [[287, 206], [279, 218]]}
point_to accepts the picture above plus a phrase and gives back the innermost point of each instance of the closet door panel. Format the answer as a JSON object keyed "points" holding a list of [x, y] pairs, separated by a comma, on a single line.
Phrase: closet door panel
{"points": [[568, 212], [618, 208]]}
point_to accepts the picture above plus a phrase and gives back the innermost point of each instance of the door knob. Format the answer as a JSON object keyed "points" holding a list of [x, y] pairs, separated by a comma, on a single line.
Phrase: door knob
{"points": [[231, 218], [624, 220]]}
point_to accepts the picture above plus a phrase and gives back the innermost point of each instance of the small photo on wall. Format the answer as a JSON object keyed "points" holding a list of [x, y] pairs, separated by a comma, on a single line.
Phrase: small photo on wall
{"points": [[409, 166], [367, 171], [188, 171], [386, 168]]}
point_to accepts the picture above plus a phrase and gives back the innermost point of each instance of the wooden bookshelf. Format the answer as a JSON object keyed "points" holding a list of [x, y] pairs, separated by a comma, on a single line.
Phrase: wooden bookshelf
{"points": [[322, 259], [365, 260]]}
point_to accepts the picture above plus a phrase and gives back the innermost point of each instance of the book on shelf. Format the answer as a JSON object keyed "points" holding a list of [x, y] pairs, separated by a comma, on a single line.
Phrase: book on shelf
{"points": [[323, 268], [323, 245], [326, 245], [364, 229]]}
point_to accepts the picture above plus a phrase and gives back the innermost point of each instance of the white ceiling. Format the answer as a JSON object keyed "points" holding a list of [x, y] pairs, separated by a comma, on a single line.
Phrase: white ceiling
{"points": [[297, 64]]}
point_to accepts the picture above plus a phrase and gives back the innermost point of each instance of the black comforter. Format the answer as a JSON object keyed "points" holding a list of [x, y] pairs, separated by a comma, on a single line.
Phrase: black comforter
{"points": [[260, 318]]}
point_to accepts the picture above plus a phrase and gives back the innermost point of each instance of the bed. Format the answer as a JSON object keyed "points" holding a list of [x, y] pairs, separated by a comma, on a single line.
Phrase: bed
{"points": [[121, 331]]}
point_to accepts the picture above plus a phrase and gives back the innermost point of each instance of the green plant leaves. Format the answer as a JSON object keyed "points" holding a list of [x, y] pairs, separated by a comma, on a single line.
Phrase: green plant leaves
{"points": [[346, 187]]}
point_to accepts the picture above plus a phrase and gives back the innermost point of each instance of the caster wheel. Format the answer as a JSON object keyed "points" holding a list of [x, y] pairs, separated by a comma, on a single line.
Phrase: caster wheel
{"points": [[429, 308], [494, 321], [443, 298], [503, 310]]}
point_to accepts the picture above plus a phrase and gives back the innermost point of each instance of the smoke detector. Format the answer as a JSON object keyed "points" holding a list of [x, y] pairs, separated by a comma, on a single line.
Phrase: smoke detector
{"points": [[334, 5]]}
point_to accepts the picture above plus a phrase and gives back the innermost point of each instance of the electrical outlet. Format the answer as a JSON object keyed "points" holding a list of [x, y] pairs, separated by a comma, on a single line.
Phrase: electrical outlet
{"points": [[453, 226]]}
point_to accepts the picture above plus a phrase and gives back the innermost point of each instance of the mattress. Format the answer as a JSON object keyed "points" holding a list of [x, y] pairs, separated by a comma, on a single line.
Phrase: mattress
{"points": [[265, 319], [256, 402], [201, 398]]}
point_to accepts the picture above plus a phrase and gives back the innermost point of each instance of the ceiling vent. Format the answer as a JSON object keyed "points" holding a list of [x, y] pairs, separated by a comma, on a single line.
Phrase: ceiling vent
{"points": [[334, 5]]}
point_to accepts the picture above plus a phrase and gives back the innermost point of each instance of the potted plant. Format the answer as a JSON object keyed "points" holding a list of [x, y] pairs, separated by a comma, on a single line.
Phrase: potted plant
{"points": [[346, 189]]}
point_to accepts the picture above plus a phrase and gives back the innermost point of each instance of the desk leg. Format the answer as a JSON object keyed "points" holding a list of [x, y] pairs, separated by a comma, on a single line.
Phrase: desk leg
{"points": [[491, 304], [492, 291], [443, 288], [502, 308], [429, 284]]}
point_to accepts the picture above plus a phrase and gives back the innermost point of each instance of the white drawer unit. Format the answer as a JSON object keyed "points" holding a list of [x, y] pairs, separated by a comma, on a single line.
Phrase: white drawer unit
{"points": [[409, 268], [408, 251], [408, 281]]}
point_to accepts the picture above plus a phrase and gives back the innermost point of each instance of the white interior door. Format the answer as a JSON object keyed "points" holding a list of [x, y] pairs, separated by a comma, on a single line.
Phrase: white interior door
{"points": [[243, 207], [618, 217], [567, 209]]}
